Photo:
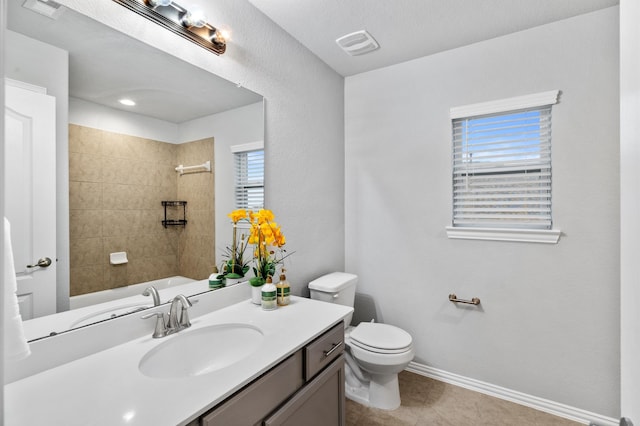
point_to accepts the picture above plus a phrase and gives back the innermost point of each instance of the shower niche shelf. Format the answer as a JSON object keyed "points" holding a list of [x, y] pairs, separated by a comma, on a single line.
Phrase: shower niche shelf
{"points": [[171, 210]]}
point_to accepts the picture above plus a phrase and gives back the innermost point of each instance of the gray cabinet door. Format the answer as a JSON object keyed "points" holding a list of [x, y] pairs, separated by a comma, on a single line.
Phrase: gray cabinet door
{"points": [[319, 403], [257, 400]]}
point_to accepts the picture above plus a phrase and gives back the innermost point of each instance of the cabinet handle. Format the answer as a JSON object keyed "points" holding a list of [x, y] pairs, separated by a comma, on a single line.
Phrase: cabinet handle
{"points": [[332, 350]]}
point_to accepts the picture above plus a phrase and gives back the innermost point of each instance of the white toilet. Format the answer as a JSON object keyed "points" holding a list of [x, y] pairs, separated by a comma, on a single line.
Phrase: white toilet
{"points": [[376, 352]]}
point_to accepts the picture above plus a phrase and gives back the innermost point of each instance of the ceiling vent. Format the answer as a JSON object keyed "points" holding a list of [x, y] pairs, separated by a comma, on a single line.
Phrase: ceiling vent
{"points": [[358, 43], [48, 8]]}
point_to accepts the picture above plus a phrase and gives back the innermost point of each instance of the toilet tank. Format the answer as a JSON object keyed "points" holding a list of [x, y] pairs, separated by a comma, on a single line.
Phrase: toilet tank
{"points": [[336, 287]]}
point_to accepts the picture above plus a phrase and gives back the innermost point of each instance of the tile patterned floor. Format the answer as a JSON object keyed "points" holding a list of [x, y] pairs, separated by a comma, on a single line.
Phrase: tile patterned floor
{"points": [[428, 402]]}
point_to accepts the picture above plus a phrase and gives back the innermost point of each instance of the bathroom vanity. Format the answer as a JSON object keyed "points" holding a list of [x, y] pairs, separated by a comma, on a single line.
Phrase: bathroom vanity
{"points": [[291, 372], [306, 388]]}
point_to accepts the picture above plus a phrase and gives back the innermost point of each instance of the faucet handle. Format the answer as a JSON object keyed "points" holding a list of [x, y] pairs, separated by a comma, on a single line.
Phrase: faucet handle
{"points": [[161, 324]]}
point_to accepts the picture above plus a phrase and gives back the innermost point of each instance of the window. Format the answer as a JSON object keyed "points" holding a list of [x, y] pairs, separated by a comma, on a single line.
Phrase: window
{"points": [[249, 177], [502, 169]]}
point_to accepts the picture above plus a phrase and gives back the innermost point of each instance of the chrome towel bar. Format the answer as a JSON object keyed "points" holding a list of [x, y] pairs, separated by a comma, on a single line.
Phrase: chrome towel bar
{"points": [[453, 298]]}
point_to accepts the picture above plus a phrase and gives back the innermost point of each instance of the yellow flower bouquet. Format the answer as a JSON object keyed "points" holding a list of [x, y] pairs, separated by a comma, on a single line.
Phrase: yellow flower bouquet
{"points": [[267, 239]]}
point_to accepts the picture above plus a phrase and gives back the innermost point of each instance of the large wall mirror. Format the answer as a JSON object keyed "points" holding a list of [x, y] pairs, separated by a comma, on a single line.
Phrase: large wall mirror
{"points": [[118, 167]]}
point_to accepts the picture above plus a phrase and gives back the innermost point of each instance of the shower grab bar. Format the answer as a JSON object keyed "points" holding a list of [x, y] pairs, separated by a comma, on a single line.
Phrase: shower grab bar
{"points": [[453, 298], [206, 166]]}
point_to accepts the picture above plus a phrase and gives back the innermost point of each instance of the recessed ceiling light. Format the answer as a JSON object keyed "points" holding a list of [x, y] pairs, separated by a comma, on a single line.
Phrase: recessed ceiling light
{"points": [[127, 102]]}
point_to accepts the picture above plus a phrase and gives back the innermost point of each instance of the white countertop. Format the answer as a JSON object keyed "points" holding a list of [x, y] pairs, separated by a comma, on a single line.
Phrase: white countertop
{"points": [[107, 388]]}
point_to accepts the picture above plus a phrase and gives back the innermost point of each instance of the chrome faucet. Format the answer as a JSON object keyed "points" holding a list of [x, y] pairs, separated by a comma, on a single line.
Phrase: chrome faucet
{"points": [[151, 291], [176, 320], [179, 317]]}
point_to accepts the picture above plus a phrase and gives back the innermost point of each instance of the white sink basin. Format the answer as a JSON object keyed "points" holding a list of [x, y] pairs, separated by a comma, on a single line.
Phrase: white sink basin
{"points": [[200, 351]]}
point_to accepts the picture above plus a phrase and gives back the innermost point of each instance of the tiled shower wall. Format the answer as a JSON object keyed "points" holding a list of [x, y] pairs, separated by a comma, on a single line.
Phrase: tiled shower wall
{"points": [[196, 245], [116, 185]]}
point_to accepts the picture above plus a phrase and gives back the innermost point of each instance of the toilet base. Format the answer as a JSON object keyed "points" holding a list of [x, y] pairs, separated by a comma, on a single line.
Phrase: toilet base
{"points": [[382, 392]]}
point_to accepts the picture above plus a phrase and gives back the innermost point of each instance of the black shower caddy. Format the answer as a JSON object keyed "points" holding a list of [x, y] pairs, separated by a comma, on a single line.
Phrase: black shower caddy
{"points": [[175, 222]]}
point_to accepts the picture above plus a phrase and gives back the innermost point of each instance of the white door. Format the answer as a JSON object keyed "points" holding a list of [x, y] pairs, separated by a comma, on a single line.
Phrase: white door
{"points": [[30, 194]]}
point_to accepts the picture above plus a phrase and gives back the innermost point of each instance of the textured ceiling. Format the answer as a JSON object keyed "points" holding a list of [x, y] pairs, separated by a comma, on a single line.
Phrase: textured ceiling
{"points": [[409, 29], [405, 30]]}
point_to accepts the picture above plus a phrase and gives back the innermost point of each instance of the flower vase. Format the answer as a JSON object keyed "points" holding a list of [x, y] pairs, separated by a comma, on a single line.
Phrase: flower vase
{"points": [[256, 295], [256, 284], [233, 281]]}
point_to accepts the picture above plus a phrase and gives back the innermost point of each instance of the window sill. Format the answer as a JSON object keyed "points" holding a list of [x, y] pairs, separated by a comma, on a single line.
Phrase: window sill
{"points": [[545, 236]]}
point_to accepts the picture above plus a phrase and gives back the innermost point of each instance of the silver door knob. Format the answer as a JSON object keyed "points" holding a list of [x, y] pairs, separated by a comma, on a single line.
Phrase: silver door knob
{"points": [[42, 263]]}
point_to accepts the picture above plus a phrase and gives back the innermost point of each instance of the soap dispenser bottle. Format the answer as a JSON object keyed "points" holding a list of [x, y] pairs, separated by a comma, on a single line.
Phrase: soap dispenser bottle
{"points": [[269, 302], [283, 290]]}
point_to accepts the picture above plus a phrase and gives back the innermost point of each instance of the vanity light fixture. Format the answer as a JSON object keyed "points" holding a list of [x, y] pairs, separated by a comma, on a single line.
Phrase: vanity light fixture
{"points": [[190, 24]]}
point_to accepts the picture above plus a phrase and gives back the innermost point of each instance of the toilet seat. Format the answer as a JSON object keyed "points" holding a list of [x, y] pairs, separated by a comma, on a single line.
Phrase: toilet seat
{"points": [[380, 338], [379, 350]]}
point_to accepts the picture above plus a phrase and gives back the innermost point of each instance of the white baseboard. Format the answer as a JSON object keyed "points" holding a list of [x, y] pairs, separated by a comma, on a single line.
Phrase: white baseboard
{"points": [[551, 407]]}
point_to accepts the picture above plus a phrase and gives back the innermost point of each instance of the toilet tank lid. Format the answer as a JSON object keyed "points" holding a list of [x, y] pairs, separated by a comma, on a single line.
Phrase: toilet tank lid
{"points": [[333, 282]]}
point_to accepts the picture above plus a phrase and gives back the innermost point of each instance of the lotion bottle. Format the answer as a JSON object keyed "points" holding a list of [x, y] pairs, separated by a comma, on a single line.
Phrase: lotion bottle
{"points": [[283, 290], [269, 297]]}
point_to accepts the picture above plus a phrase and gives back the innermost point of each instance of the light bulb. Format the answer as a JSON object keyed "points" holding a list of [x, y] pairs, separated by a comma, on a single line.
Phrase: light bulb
{"points": [[155, 3], [194, 18], [220, 36]]}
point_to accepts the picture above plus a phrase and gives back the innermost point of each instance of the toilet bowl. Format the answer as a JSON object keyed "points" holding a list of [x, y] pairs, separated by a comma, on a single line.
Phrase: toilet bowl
{"points": [[380, 352], [375, 353]]}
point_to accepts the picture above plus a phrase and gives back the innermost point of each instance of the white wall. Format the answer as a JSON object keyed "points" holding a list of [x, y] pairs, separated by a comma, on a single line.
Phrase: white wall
{"points": [[240, 124], [630, 205], [304, 121], [3, 24], [96, 116], [25, 58], [548, 325]]}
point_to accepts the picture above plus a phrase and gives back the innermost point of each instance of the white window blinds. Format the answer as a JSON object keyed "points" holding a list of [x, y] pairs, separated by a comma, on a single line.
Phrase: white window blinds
{"points": [[249, 179], [502, 169]]}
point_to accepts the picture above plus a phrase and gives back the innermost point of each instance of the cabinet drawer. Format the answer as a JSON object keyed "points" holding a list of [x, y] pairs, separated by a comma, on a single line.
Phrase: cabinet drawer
{"points": [[323, 350], [258, 399]]}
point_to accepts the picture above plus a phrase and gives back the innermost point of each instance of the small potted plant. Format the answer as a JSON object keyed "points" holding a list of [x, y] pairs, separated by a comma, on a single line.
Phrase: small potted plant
{"points": [[235, 267]]}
